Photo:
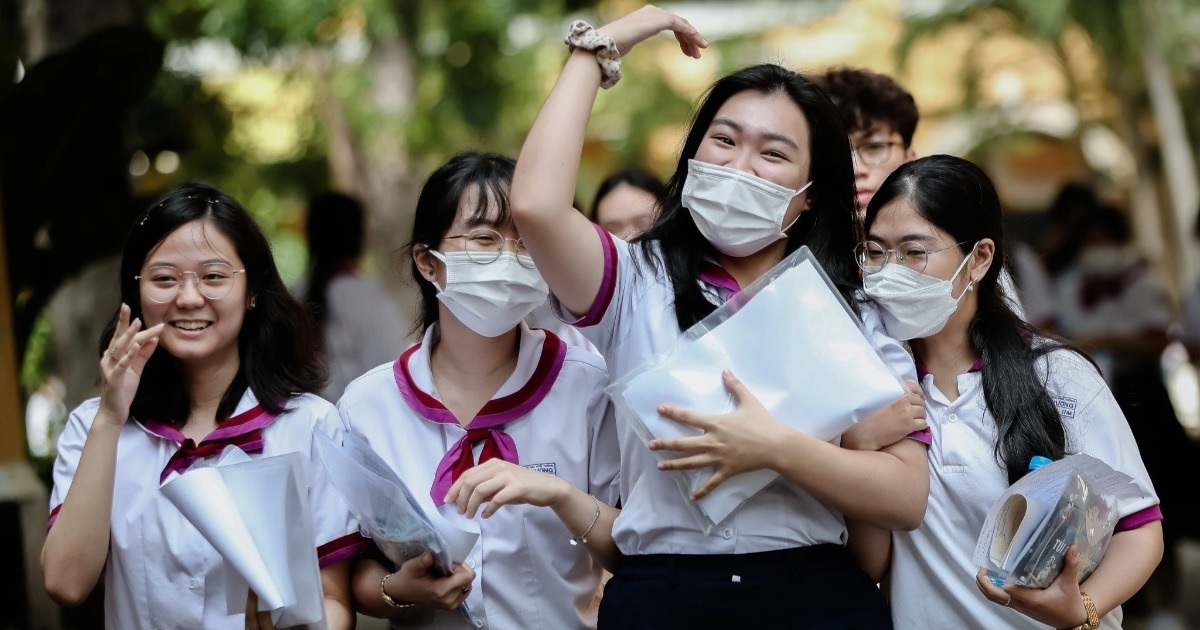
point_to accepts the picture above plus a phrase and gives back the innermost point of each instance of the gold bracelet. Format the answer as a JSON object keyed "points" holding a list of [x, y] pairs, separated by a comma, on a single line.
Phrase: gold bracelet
{"points": [[387, 599], [582, 538], [1093, 617]]}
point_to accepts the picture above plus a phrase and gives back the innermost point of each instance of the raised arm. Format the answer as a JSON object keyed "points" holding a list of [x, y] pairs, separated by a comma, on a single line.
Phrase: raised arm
{"points": [[76, 547], [561, 240]]}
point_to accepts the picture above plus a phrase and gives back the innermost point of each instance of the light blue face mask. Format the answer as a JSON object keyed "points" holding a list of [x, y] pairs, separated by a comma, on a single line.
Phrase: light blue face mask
{"points": [[913, 305]]}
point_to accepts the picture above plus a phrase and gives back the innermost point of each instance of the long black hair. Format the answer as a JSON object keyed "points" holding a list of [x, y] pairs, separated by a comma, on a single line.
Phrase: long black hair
{"points": [[279, 345], [828, 228], [959, 198], [335, 238], [491, 175]]}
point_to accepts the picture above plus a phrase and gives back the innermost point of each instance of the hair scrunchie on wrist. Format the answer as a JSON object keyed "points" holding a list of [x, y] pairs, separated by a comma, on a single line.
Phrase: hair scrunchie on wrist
{"points": [[582, 35]]}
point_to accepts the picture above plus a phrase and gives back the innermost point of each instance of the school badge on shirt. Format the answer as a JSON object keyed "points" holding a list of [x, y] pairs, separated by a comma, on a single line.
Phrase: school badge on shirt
{"points": [[547, 468], [1065, 406]]}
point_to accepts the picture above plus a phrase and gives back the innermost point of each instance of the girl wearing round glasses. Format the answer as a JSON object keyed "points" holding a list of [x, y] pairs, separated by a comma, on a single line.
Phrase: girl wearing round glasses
{"points": [[765, 168], [484, 400], [998, 392], [208, 350]]}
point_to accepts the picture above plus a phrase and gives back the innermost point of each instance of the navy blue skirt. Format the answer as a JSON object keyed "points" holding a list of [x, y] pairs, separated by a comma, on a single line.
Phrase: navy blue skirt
{"points": [[818, 587]]}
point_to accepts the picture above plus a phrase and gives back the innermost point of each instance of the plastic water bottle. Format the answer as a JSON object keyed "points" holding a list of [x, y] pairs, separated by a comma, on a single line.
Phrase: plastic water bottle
{"points": [[1035, 462]]}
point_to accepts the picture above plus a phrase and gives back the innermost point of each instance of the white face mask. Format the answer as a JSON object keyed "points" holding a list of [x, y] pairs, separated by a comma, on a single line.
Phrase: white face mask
{"points": [[737, 212], [491, 299], [912, 304]]}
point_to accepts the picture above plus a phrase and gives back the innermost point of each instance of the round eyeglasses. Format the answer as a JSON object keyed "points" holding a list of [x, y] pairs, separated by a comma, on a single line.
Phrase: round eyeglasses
{"points": [[874, 153], [162, 284], [872, 256], [484, 245]]}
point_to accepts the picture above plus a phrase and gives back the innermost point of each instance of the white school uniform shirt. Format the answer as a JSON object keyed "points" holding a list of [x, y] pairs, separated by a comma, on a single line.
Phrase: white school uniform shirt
{"points": [[632, 322], [932, 580], [161, 571], [528, 575]]}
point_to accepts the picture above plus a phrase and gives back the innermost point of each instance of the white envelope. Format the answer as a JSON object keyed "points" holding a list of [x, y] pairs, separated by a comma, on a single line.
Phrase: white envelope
{"points": [[795, 344], [255, 513]]}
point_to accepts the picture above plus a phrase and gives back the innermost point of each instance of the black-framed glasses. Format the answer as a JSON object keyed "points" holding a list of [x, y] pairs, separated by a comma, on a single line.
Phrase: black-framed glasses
{"points": [[872, 256], [874, 153], [484, 245], [161, 284]]}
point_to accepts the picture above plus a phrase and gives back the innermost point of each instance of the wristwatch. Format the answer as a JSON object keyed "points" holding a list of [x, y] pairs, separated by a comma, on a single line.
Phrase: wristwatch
{"points": [[1093, 617], [387, 599]]}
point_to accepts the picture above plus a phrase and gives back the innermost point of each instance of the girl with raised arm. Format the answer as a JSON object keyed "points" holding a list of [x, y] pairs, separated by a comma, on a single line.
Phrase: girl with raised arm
{"points": [[208, 350], [765, 168]]}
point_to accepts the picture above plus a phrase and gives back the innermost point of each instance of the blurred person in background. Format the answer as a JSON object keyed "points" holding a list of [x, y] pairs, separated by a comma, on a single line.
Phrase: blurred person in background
{"points": [[626, 200], [881, 117], [1112, 305], [362, 323]]}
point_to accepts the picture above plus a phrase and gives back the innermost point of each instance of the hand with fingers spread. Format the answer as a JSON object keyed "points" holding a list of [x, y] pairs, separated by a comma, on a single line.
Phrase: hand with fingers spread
{"points": [[732, 443], [649, 21], [415, 583], [499, 483], [122, 364], [1059, 605], [889, 424]]}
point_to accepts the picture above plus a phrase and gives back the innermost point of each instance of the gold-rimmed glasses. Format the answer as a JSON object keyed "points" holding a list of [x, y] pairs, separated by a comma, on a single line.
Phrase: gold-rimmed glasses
{"points": [[484, 245], [161, 283]]}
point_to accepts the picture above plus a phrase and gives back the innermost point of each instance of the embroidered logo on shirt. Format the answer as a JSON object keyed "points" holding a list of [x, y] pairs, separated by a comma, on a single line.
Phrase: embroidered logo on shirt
{"points": [[1066, 406], [548, 468]]}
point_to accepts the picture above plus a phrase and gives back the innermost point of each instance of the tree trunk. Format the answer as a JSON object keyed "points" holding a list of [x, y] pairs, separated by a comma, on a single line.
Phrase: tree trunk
{"points": [[1179, 164]]}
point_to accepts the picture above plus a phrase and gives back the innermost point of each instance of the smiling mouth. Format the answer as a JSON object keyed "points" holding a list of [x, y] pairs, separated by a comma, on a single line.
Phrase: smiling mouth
{"points": [[191, 325]]}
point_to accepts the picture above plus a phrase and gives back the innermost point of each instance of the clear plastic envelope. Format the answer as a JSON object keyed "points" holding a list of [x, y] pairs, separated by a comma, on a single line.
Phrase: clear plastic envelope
{"points": [[793, 341], [387, 511], [1028, 530]]}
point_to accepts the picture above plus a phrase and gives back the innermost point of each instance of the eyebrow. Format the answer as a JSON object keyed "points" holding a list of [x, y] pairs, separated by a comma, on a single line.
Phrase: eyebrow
{"points": [[923, 238], [766, 135], [210, 261]]}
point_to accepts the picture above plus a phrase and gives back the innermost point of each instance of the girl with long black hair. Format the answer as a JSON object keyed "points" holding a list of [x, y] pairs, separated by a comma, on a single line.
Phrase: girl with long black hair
{"points": [[998, 392], [765, 168]]}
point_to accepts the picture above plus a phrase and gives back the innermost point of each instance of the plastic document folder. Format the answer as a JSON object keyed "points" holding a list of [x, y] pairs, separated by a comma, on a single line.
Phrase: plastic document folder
{"points": [[793, 341], [387, 511]]}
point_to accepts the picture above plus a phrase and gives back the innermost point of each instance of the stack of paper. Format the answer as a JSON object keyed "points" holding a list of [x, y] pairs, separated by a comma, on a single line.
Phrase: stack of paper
{"points": [[255, 513], [795, 344]]}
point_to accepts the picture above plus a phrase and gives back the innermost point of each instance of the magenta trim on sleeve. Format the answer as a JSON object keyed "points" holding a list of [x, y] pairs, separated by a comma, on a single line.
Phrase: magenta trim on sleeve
{"points": [[348, 546], [53, 516], [1139, 518], [924, 436], [608, 284]]}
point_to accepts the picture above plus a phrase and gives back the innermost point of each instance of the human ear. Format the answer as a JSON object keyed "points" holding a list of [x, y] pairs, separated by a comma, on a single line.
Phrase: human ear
{"points": [[981, 260], [425, 261]]}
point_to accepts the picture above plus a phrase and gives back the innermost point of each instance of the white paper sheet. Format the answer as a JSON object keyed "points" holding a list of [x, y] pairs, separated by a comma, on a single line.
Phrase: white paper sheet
{"points": [[792, 341], [255, 513]]}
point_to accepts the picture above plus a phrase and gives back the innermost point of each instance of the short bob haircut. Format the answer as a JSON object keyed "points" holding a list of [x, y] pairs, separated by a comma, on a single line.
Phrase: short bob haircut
{"points": [[491, 175], [280, 345]]}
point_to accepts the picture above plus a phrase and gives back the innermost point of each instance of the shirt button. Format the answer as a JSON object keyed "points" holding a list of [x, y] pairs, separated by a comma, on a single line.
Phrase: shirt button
{"points": [[727, 533], [471, 563], [193, 583], [478, 623], [952, 417]]}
